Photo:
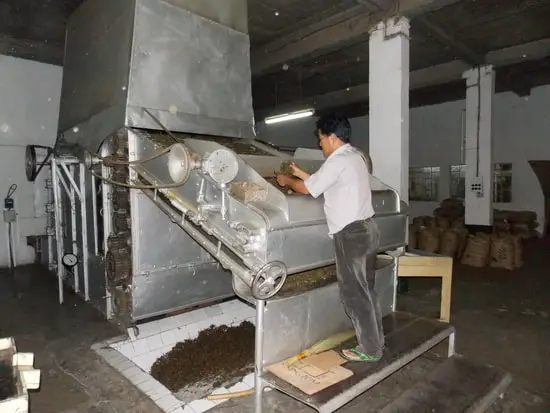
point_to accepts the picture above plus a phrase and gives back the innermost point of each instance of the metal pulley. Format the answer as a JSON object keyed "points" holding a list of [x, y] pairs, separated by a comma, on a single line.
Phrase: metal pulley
{"points": [[34, 162], [221, 165], [269, 280], [118, 266], [180, 163], [31, 166]]}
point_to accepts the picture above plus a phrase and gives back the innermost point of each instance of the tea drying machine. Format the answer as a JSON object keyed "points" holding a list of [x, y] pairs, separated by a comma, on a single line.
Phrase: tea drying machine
{"points": [[162, 199], [160, 150]]}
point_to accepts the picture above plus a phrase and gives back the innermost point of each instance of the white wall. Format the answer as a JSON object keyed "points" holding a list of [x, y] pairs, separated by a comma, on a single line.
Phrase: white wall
{"points": [[29, 109], [521, 132]]}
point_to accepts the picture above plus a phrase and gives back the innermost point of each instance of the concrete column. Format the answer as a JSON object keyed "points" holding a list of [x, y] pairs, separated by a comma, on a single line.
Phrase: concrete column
{"points": [[480, 87], [389, 103]]}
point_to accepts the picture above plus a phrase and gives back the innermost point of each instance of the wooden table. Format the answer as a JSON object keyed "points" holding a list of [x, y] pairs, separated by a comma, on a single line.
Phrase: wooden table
{"points": [[418, 263]]}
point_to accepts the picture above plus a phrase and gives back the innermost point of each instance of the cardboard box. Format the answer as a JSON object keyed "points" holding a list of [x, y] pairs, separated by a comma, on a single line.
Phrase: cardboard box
{"points": [[313, 374]]}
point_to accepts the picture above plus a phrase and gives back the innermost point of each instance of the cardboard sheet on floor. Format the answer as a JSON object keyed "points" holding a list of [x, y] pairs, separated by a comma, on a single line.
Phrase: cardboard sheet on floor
{"points": [[314, 373]]}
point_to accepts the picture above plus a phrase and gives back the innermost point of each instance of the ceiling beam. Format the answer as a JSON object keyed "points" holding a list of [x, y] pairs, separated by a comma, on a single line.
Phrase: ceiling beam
{"points": [[430, 76], [442, 35], [453, 91], [333, 35], [517, 84], [32, 50], [313, 24]]}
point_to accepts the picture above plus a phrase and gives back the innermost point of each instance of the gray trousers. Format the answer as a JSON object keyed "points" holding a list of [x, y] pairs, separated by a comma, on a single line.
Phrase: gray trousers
{"points": [[356, 249]]}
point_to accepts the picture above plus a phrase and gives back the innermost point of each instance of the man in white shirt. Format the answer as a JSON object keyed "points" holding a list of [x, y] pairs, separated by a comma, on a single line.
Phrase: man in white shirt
{"points": [[344, 180]]}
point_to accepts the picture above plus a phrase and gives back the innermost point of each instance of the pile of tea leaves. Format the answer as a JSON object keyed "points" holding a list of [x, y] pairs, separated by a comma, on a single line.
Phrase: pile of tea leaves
{"points": [[219, 356], [308, 280]]}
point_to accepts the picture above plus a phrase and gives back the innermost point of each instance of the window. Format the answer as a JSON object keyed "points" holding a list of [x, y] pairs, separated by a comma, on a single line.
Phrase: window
{"points": [[424, 183], [457, 187], [502, 182]]}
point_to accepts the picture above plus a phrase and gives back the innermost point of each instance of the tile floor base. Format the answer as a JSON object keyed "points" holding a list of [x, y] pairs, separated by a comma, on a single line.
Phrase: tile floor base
{"points": [[134, 356]]}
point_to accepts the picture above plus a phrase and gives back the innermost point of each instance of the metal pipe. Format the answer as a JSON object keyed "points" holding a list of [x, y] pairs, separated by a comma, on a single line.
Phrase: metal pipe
{"points": [[94, 212], [58, 229], [84, 213], [106, 191], [63, 182], [202, 190], [13, 242], [50, 252], [8, 243], [72, 197], [50, 221], [70, 174], [224, 205], [395, 282], [259, 355], [226, 261]]}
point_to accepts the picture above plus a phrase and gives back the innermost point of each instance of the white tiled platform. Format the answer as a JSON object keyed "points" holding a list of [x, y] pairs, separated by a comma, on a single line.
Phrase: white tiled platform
{"points": [[134, 356]]}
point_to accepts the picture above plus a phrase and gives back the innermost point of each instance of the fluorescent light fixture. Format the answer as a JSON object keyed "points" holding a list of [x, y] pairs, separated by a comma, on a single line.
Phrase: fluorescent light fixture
{"points": [[289, 116]]}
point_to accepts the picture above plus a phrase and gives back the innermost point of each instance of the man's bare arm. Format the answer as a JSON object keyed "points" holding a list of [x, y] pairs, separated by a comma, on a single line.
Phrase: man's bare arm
{"points": [[297, 185], [299, 172]]}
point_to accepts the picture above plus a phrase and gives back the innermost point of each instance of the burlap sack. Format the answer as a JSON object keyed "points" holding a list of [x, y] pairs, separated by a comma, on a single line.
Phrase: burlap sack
{"points": [[451, 208], [500, 215], [449, 243], [451, 203], [463, 234], [477, 251], [429, 222], [501, 226], [522, 230], [502, 252], [459, 221], [413, 237], [518, 251], [442, 223], [418, 221], [523, 217], [429, 239]]}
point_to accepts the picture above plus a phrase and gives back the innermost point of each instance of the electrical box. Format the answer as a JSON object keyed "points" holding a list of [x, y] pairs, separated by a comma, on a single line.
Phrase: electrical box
{"points": [[9, 203], [476, 186], [9, 216]]}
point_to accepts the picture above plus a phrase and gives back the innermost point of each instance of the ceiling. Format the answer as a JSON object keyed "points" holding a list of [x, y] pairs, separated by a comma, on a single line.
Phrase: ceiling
{"points": [[315, 52]]}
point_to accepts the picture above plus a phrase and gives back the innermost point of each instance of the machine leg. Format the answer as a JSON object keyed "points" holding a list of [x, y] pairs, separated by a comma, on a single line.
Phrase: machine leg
{"points": [[58, 228], [84, 213], [94, 214], [451, 349], [72, 196], [259, 354]]}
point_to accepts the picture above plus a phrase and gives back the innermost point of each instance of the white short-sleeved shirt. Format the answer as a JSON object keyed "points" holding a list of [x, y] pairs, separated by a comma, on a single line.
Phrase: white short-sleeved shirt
{"points": [[344, 180]]}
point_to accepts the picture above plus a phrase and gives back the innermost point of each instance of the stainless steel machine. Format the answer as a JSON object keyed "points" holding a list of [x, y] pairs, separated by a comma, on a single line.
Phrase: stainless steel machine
{"points": [[158, 136], [161, 198]]}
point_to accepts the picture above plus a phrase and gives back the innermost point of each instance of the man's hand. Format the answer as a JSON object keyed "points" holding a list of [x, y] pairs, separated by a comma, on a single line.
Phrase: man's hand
{"points": [[283, 180], [299, 172], [297, 185]]}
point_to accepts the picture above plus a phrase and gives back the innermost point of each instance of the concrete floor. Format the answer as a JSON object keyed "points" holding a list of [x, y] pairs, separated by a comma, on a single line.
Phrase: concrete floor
{"points": [[502, 318]]}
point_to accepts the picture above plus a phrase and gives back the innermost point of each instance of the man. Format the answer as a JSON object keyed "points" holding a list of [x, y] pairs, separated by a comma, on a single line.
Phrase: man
{"points": [[344, 180]]}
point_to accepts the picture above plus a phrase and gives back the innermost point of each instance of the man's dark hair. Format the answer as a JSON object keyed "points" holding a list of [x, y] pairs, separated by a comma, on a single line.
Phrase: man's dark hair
{"points": [[339, 125]]}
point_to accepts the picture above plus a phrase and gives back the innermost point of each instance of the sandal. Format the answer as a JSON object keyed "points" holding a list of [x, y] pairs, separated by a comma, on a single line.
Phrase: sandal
{"points": [[356, 356]]}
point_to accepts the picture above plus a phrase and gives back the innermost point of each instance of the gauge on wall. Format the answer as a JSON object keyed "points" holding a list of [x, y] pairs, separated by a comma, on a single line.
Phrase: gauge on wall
{"points": [[70, 261]]}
